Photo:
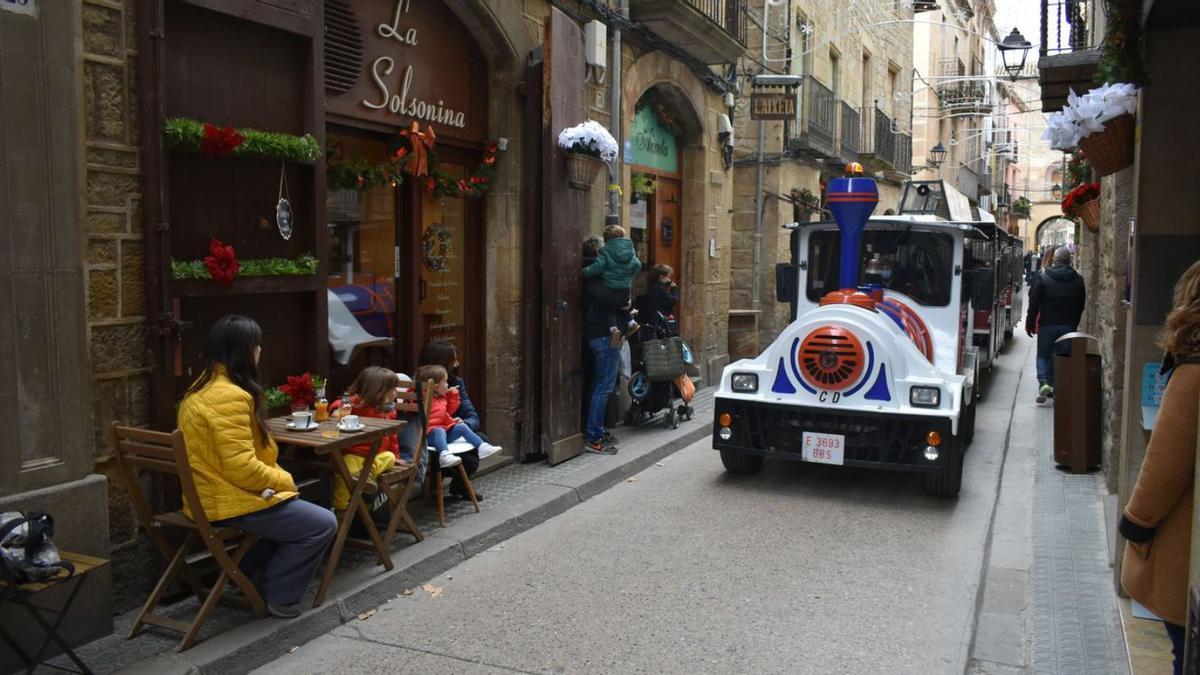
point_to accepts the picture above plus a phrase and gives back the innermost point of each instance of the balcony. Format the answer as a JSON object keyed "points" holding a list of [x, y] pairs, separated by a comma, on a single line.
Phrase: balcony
{"points": [[850, 133], [1072, 31], [713, 31], [816, 129], [960, 92], [878, 141]]}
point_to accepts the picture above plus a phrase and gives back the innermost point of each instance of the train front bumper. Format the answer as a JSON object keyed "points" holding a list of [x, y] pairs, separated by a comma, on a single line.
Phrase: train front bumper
{"points": [[876, 440]]}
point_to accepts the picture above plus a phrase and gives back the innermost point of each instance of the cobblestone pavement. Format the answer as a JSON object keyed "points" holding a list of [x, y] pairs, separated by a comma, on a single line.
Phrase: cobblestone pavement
{"points": [[502, 486], [1076, 621]]}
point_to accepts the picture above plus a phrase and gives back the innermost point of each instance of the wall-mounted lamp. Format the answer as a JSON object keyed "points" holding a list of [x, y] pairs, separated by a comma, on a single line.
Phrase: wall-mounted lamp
{"points": [[1056, 191], [595, 50], [725, 136], [1013, 51], [729, 100], [937, 155]]}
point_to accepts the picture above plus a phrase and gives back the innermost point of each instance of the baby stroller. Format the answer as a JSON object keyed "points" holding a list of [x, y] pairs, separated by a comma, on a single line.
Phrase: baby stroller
{"points": [[658, 357]]}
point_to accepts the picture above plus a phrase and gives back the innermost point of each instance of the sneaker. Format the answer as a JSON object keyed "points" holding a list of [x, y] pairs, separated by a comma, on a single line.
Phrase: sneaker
{"points": [[599, 448], [1051, 394], [284, 611], [1044, 392], [608, 439], [448, 459], [487, 450]]}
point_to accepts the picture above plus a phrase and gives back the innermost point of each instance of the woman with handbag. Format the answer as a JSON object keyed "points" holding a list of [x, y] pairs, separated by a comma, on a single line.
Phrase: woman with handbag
{"points": [[1157, 521]]}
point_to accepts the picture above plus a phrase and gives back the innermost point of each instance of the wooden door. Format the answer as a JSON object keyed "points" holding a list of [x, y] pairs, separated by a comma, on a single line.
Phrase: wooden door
{"points": [[666, 237], [558, 339]]}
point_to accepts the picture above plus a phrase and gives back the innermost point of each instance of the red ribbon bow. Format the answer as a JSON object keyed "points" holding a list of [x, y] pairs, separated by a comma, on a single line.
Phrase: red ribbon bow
{"points": [[420, 143]]}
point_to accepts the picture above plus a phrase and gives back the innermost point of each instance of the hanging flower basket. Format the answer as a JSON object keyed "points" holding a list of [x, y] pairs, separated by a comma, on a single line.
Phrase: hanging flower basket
{"points": [[1089, 213], [1110, 150], [582, 170]]}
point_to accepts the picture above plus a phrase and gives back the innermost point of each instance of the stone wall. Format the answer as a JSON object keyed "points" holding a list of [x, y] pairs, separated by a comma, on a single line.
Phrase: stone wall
{"points": [[112, 226], [1109, 312]]}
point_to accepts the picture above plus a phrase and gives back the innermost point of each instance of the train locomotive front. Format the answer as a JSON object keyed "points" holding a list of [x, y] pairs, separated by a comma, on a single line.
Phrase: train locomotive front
{"points": [[877, 375]]}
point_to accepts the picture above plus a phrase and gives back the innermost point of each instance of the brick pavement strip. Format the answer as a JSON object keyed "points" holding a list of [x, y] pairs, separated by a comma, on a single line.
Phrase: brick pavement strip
{"points": [[519, 497]]}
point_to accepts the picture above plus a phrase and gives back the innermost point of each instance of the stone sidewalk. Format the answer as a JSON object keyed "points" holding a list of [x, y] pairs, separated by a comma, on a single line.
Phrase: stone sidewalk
{"points": [[518, 497], [1048, 603]]}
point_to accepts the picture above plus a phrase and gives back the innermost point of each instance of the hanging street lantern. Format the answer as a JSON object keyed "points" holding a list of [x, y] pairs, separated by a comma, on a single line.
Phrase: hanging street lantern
{"points": [[1056, 191], [937, 155], [1013, 51]]}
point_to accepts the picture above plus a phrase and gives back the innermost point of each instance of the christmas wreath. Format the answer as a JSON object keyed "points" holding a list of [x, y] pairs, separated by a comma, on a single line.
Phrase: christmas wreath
{"points": [[412, 154], [435, 245]]}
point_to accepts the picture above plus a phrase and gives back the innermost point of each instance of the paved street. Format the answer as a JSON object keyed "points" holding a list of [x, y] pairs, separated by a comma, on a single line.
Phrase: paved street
{"points": [[684, 568]]}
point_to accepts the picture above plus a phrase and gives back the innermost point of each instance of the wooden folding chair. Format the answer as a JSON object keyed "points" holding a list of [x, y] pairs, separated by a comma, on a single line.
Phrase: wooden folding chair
{"points": [[397, 482], [167, 454]]}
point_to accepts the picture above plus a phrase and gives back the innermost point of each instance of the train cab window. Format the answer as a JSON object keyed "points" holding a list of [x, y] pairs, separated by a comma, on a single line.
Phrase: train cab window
{"points": [[917, 264]]}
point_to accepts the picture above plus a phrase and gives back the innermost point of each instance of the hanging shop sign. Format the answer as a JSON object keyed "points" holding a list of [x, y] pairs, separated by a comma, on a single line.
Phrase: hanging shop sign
{"points": [[402, 61], [772, 106], [653, 144]]}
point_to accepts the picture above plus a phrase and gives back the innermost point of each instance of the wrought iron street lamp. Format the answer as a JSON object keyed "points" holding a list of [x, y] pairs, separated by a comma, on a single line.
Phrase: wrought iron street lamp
{"points": [[1012, 47], [937, 155], [1056, 191]]}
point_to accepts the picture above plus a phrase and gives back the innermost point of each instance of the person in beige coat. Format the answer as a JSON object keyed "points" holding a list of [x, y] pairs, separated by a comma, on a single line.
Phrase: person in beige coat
{"points": [[1157, 521]]}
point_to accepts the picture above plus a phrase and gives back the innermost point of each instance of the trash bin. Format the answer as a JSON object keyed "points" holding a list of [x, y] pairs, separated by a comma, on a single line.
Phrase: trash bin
{"points": [[1076, 403]]}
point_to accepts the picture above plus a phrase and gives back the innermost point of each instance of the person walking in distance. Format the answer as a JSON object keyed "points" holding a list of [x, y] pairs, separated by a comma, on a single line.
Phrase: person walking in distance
{"points": [[1157, 521], [1058, 296]]}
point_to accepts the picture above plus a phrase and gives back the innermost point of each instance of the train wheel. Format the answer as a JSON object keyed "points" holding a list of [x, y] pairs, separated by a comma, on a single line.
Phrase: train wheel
{"points": [[738, 462], [948, 481]]}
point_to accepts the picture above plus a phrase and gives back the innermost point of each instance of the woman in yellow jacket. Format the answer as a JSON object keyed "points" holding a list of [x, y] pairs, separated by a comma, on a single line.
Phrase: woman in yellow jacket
{"points": [[233, 460], [1157, 522]]}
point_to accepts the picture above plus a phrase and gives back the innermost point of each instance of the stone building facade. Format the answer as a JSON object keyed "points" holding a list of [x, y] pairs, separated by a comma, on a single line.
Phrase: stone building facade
{"points": [[860, 59]]}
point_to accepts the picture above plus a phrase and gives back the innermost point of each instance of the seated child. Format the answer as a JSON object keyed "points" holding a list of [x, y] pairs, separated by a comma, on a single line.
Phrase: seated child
{"points": [[373, 394], [617, 265], [443, 427]]}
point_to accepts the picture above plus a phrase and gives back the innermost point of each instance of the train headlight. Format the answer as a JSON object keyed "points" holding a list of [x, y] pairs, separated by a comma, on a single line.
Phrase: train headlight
{"points": [[925, 397], [746, 383]]}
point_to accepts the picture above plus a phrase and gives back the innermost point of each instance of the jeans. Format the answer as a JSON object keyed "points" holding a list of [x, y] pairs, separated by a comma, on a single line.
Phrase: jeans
{"points": [[441, 439], [1178, 635], [606, 359], [294, 536], [1046, 349]]}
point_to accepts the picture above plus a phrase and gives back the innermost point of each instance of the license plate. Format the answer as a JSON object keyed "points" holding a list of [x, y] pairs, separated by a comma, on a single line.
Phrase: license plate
{"points": [[824, 448]]}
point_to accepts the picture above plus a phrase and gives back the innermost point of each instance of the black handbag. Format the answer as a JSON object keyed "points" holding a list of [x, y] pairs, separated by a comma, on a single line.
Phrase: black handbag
{"points": [[664, 359]]}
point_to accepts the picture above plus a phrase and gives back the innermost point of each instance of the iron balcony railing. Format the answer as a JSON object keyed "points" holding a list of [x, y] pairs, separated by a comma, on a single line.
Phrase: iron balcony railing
{"points": [[1070, 26], [903, 161], [816, 129], [850, 133], [879, 137], [728, 14]]}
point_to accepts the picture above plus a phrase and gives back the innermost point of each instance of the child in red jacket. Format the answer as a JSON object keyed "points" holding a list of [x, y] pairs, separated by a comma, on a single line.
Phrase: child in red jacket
{"points": [[373, 394], [443, 427]]}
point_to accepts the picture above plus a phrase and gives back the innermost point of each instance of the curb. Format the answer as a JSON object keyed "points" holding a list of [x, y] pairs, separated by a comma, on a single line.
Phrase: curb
{"points": [[259, 642]]}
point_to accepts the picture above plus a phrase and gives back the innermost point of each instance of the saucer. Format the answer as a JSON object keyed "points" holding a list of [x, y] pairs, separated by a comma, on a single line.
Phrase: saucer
{"points": [[313, 426], [351, 430]]}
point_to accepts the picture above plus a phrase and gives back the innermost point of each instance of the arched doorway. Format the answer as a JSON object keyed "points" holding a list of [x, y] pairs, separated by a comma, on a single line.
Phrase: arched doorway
{"points": [[1054, 232]]}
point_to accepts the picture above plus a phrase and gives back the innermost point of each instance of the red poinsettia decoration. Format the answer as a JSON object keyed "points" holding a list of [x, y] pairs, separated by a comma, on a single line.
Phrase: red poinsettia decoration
{"points": [[1078, 197], [221, 262], [299, 389], [218, 142]]}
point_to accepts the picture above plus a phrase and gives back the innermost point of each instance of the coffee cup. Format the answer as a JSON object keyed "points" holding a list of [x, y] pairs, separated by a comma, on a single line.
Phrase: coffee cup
{"points": [[302, 420], [351, 422]]}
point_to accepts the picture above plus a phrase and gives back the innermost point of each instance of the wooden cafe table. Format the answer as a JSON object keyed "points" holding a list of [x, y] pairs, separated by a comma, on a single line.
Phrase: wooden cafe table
{"points": [[331, 450]]}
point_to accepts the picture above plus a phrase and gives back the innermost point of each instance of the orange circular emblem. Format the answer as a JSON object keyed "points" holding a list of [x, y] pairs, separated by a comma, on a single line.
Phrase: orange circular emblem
{"points": [[831, 358]]}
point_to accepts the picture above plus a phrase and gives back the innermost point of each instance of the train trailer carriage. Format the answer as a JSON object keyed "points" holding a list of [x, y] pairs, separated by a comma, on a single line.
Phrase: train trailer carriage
{"points": [[877, 368]]}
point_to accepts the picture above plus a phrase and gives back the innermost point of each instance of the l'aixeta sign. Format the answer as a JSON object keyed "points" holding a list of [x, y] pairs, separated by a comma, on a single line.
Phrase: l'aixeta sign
{"points": [[768, 106], [395, 61]]}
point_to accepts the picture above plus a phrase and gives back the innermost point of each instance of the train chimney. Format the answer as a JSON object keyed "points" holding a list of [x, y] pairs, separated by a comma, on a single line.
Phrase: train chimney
{"points": [[852, 200]]}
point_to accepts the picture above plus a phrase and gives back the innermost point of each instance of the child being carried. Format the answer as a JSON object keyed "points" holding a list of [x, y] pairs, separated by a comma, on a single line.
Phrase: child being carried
{"points": [[617, 265]]}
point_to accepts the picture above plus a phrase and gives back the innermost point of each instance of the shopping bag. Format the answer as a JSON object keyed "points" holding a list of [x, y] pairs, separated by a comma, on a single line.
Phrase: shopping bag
{"points": [[687, 388], [663, 359]]}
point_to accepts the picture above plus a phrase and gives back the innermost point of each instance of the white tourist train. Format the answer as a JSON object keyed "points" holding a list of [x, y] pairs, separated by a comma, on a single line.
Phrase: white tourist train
{"points": [[880, 364]]}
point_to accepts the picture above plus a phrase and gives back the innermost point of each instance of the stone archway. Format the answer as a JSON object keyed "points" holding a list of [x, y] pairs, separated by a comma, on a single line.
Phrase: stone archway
{"points": [[1050, 225], [707, 193]]}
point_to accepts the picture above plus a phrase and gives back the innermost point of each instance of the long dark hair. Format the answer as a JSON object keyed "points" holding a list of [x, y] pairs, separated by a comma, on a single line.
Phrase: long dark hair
{"points": [[439, 353], [230, 343]]}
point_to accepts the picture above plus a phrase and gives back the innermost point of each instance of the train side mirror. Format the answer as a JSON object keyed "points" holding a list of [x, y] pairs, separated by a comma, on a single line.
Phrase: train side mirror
{"points": [[787, 276]]}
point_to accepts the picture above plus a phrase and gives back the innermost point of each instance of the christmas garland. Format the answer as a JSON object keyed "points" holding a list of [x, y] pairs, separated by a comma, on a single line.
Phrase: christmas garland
{"points": [[222, 265], [180, 133], [1121, 53], [411, 154]]}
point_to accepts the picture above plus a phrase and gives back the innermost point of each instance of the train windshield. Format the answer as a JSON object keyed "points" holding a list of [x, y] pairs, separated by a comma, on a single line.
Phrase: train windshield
{"points": [[916, 263]]}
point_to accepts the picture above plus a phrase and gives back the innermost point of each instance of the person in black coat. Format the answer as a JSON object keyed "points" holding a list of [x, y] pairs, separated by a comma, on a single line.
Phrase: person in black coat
{"points": [[1056, 304], [599, 302], [662, 295]]}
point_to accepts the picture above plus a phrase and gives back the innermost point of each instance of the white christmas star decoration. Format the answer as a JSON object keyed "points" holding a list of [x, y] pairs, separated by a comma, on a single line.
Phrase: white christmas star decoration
{"points": [[806, 29]]}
